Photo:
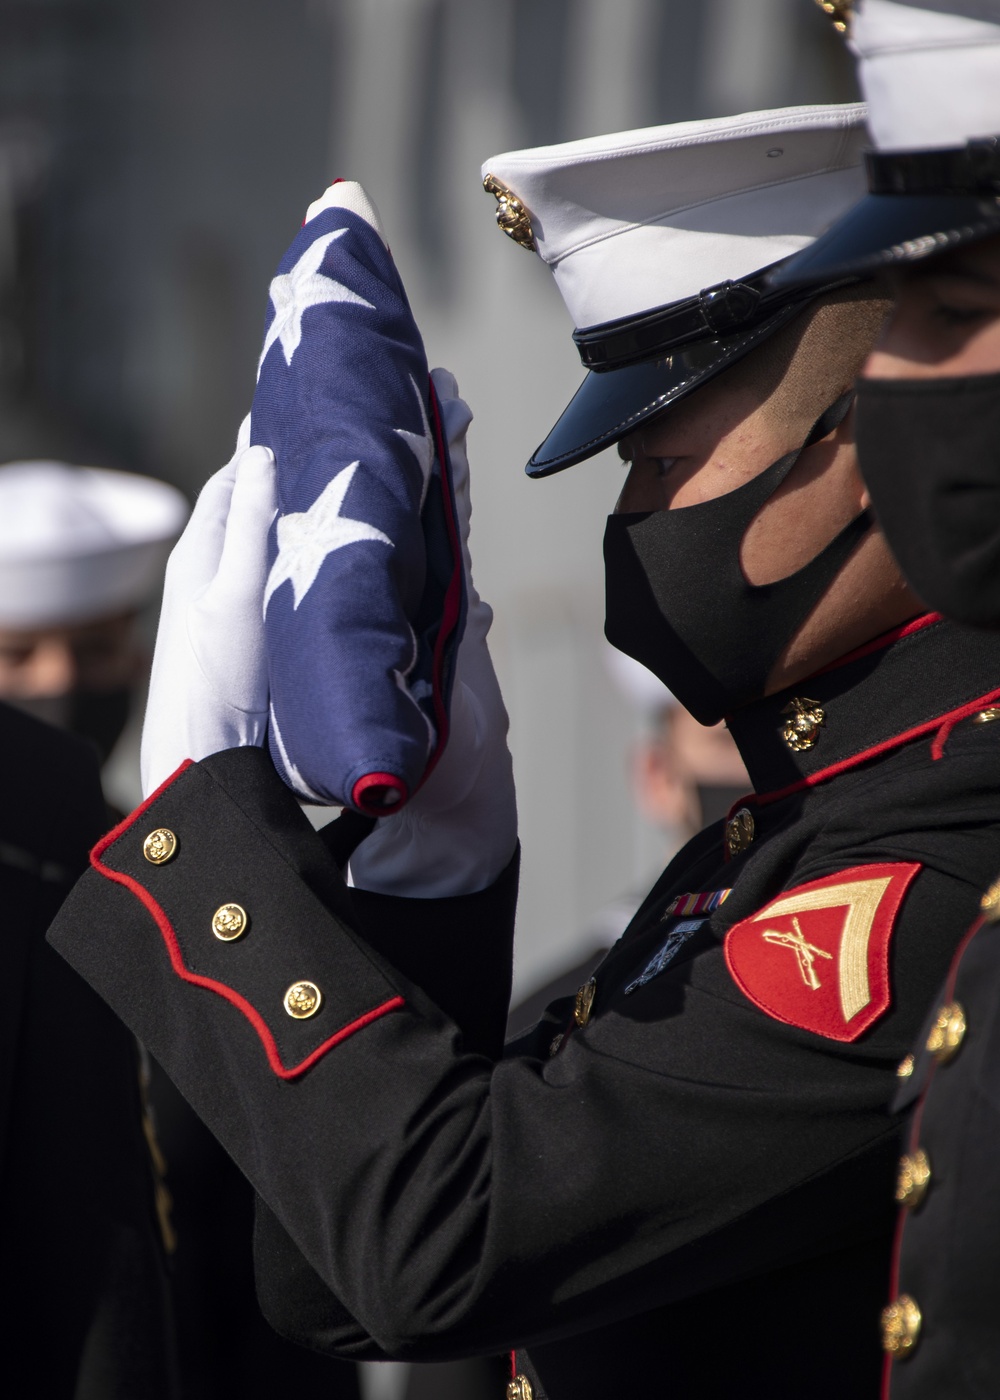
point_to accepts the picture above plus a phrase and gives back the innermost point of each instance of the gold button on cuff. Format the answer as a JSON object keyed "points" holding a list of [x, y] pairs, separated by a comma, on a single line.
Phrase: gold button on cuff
{"points": [[990, 903], [914, 1179], [740, 831], [900, 1327], [947, 1033], [520, 1388], [804, 719], [230, 921], [160, 846], [905, 1067], [302, 1000], [584, 1003]]}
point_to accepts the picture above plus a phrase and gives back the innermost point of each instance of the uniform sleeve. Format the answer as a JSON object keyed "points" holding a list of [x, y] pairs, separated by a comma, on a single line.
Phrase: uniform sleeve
{"points": [[452, 1203]]}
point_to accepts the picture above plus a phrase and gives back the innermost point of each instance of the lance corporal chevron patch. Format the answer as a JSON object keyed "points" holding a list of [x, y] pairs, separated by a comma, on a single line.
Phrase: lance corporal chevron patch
{"points": [[817, 956]]}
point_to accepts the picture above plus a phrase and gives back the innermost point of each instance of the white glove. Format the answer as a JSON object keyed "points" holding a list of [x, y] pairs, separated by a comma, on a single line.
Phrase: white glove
{"points": [[208, 688], [457, 834]]}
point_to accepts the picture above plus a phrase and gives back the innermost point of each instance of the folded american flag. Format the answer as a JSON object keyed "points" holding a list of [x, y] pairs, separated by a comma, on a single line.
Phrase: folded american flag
{"points": [[364, 603]]}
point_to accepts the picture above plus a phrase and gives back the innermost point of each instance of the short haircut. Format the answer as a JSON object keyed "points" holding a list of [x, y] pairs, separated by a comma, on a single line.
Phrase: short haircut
{"points": [[809, 363]]}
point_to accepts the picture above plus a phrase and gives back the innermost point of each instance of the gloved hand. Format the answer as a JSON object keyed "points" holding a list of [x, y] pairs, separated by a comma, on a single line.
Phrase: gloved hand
{"points": [[208, 688], [457, 834]]}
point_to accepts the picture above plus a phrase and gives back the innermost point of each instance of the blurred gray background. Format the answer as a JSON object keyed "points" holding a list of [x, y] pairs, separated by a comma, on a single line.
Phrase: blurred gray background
{"points": [[157, 158]]}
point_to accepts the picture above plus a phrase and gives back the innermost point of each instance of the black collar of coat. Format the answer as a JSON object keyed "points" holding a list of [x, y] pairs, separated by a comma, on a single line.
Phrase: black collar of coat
{"points": [[917, 680]]}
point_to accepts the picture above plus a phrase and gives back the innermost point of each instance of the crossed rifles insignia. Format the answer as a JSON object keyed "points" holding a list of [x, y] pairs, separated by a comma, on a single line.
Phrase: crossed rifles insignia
{"points": [[840, 927], [806, 953]]}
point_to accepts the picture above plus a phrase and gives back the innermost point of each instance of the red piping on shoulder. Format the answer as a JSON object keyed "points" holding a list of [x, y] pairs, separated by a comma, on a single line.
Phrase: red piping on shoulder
{"points": [[177, 960], [879, 643], [943, 723]]}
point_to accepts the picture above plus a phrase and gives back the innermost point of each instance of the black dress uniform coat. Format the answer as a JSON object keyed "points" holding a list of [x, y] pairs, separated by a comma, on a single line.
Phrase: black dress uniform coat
{"points": [[940, 1328], [681, 1180], [84, 1311]]}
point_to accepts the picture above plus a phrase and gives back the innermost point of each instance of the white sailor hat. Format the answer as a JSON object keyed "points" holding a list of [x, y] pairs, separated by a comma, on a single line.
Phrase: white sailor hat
{"points": [[930, 70], [78, 543], [658, 241]]}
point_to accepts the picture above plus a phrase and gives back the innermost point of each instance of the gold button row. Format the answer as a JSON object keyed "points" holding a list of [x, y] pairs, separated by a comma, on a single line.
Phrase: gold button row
{"points": [[230, 922], [901, 1320]]}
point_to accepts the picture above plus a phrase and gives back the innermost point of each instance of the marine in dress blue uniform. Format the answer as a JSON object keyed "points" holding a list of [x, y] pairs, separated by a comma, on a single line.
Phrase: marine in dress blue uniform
{"points": [[681, 1169]]}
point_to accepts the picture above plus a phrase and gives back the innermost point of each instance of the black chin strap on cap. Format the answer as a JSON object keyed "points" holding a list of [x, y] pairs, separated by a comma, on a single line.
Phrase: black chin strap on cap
{"points": [[716, 312], [961, 170]]}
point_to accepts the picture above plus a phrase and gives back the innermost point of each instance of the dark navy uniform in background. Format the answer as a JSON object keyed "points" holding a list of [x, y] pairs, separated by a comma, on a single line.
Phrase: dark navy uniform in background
{"points": [[85, 1311], [683, 1176]]}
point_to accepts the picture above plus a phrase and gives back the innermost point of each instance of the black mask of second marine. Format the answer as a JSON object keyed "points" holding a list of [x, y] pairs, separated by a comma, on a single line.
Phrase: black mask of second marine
{"points": [[929, 451], [677, 599]]}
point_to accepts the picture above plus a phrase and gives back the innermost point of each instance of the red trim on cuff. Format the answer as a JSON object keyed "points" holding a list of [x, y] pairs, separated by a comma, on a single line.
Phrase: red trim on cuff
{"points": [[196, 979], [126, 822]]}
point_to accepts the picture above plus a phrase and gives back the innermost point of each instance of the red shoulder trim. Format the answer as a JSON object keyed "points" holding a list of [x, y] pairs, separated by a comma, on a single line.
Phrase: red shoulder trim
{"points": [[944, 723], [817, 956], [233, 997]]}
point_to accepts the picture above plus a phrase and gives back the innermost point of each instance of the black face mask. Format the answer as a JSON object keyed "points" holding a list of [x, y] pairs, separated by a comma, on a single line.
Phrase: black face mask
{"points": [[929, 452], [677, 599], [97, 715]]}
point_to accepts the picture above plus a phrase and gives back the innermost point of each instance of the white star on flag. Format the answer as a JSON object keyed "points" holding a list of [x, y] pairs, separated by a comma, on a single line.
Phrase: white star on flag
{"points": [[420, 444], [305, 538], [293, 292]]}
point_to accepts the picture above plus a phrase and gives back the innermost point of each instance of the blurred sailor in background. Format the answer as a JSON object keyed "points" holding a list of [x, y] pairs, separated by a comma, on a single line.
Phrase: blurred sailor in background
{"points": [[84, 1223], [82, 552]]}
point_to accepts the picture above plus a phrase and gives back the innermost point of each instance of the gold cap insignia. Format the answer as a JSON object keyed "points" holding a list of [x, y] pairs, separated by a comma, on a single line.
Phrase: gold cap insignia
{"points": [[841, 12], [512, 216]]}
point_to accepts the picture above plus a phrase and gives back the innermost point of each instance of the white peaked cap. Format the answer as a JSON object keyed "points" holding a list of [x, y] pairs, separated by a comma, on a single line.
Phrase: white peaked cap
{"points": [[78, 543], [640, 219], [930, 71]]}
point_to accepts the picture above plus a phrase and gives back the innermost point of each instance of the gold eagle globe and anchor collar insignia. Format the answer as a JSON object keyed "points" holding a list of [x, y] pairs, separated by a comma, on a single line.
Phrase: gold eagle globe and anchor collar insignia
{"points": [[915, 683], [512, 217], [803, 719], [817, 956]]}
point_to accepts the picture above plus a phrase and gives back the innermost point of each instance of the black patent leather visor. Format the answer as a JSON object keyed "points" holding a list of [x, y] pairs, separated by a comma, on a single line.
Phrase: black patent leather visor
{"points": [[886, 230], [611, 403], [920, 203]]}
